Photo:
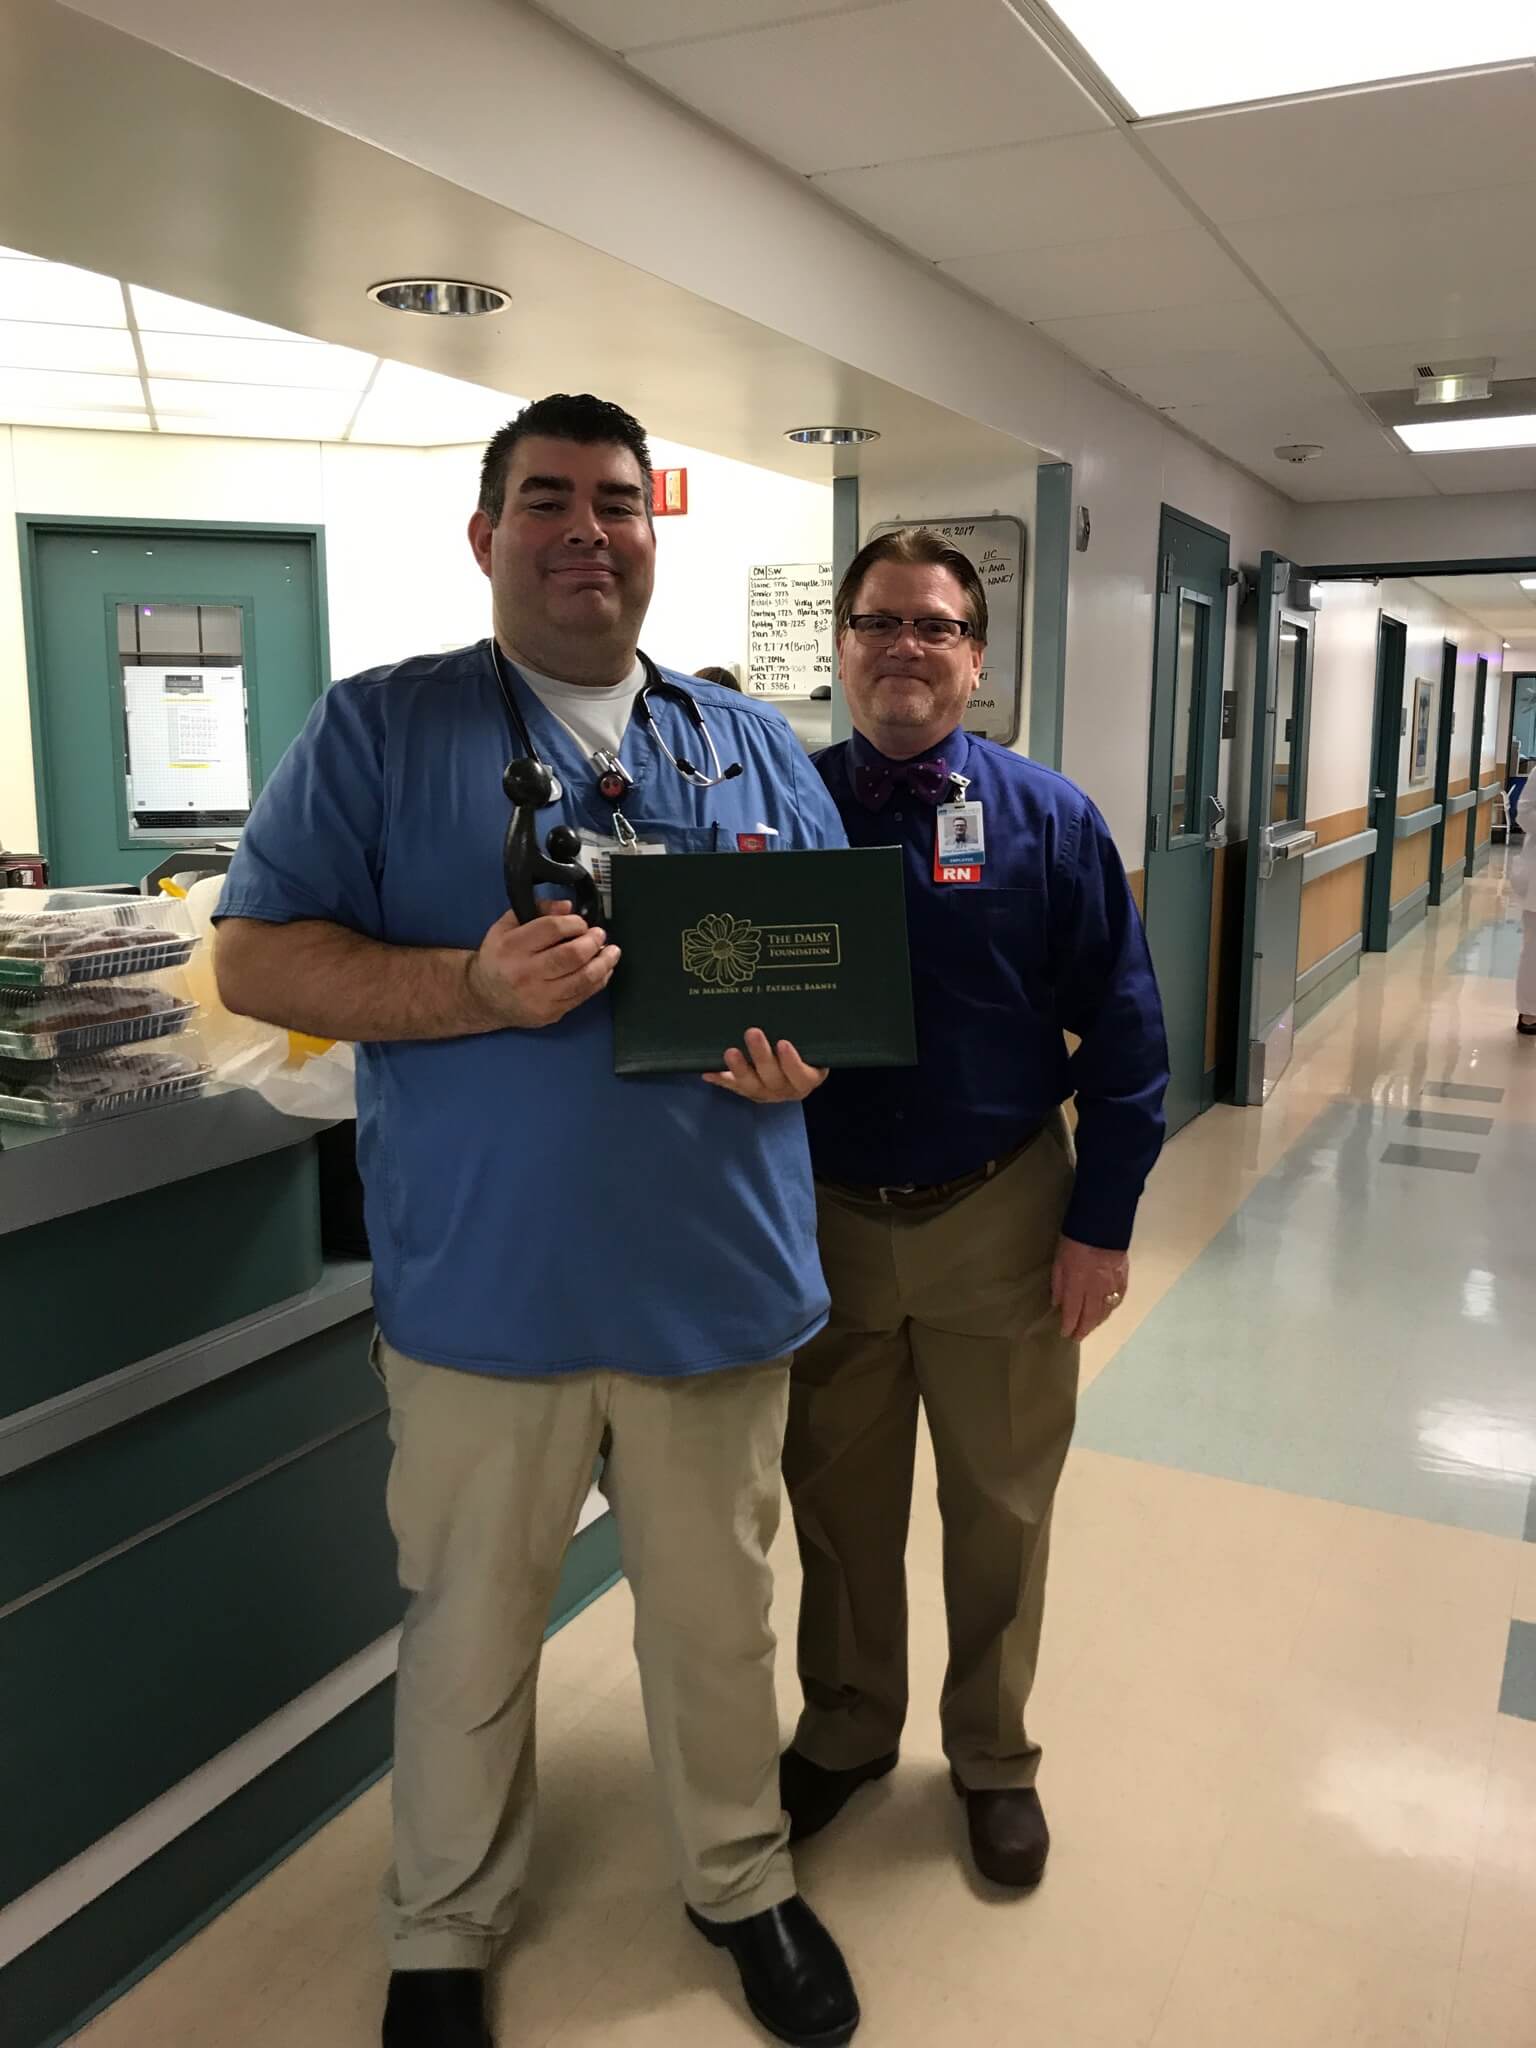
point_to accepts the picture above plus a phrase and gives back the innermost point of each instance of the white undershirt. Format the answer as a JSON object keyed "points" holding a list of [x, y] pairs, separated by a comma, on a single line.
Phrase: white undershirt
{"points": [[595, 717]]}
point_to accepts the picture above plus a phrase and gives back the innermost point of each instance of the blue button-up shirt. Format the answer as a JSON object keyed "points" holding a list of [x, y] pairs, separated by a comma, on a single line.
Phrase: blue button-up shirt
{"points": [[1047, 941]]}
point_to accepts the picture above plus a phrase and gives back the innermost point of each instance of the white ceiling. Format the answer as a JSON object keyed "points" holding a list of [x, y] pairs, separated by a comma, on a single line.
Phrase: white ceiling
{"points": [[81, 350], [1250, 270], [1497, 602]]}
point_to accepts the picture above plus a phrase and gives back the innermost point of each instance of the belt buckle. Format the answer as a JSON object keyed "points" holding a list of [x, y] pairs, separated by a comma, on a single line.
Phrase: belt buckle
{"points": [[896, 1188]]}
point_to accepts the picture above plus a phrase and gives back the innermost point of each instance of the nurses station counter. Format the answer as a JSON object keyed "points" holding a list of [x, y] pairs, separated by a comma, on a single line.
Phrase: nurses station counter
{"points": [[198, 1601]]}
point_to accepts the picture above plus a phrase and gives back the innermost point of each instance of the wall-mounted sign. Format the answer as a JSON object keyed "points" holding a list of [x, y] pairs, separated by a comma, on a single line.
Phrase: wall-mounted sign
{"points": [[669, 492], [789, 628], [996, 545]]}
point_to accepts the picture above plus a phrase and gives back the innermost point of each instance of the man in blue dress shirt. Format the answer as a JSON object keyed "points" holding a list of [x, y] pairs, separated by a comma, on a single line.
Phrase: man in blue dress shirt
{"points": [[564, 1262], [967, 1253]]}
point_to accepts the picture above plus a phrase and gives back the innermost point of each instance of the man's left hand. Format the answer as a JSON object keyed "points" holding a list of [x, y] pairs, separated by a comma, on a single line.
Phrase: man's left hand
{"points": [[767, 1073], [1087, 1285]]}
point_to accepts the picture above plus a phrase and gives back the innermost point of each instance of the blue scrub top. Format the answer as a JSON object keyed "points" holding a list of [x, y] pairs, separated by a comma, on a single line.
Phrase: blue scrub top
{"points": [[530, 1213]]}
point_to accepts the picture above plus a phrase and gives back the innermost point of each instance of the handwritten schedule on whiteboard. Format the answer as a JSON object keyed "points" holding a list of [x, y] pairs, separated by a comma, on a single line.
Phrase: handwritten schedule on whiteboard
{"points": [[996, 546], [789, 628]]}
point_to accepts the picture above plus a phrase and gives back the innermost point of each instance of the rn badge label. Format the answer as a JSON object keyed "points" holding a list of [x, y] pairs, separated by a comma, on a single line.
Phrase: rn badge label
{"points": [[724, 955]]}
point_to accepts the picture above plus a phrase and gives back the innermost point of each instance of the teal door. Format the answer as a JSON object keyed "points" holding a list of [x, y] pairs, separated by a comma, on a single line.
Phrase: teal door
{"points": [[1387, 755], [1278, 835], [1475, 760], [1445, 725], [170, 666], [1185, 818]]}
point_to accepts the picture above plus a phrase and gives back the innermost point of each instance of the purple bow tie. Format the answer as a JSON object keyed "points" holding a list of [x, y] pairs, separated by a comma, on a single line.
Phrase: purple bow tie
{"points": [[873, 784]]}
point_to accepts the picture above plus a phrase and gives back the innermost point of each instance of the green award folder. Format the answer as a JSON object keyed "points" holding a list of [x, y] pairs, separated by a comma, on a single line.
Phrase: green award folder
{"points": [[811, 947]]}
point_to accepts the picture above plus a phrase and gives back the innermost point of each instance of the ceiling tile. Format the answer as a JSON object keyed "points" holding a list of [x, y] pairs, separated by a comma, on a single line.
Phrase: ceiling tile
{"points": [[167, 315], [1350, 149], [933, 78], [1219, 376], [632, 24], [37, 345], [1463, 236], [1130, 274], [314, 364], [1390, 365], [241, 409], [1358, 461], [74, 390], [1112, 339], [59, 293], [114, 422], [1442, 315], [1510, 469], [1077, 187]]}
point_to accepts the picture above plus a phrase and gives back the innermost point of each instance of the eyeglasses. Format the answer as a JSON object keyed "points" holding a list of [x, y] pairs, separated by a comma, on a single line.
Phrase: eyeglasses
{"points": [[933, 631]]}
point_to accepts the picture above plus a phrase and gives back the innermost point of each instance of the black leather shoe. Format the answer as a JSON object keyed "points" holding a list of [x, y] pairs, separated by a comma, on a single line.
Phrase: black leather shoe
{"points": [[812, 1796], [1009, 1838], [436, 2009], [792, 1971]]}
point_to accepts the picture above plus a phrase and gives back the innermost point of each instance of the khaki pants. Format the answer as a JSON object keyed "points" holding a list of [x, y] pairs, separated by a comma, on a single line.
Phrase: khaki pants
{"points": [[487, 1482], [951, 1308]]}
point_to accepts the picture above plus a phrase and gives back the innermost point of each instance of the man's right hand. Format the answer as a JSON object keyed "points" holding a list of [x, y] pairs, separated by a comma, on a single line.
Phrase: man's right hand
{"points": [[531, 975]]}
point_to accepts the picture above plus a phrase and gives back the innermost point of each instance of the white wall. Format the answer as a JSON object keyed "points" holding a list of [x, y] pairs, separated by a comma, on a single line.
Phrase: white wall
{"points": [[1440, 529], [1344, 687], [400, 576]]}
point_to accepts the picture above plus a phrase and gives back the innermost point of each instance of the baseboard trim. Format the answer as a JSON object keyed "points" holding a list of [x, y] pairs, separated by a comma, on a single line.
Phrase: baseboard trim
{"points": [[1327, 978], [1405, 915]]}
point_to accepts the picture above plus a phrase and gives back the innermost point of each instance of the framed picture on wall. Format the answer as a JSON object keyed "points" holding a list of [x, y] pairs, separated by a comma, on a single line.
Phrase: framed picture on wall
{"points": [[1418, 753]]}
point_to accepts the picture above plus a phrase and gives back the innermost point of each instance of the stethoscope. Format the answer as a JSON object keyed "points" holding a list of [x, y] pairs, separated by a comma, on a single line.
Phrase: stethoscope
{"points": [[531, 786]]}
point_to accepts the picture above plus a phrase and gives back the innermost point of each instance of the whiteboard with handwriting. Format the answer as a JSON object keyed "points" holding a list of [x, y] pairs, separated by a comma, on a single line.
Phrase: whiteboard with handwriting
{"points": [[996, 545], [789, 628]]}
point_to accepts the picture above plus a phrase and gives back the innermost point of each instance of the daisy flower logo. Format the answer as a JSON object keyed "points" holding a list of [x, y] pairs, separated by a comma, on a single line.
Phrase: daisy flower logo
{"points": [[721, 950]]}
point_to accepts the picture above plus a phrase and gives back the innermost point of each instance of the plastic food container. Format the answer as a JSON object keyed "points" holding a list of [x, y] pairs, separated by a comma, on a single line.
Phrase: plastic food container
{"points": [[56, 1024], [85, 1090], [60, 948]]}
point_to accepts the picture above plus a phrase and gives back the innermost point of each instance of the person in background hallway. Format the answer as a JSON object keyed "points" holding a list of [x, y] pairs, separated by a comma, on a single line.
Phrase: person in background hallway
{"points": [[565, 1263], [966, 1256], [723, 676]]}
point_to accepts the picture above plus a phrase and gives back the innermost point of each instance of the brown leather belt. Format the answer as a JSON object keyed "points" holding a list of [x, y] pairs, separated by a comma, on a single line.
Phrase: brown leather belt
{"points": [[913, 1197]]}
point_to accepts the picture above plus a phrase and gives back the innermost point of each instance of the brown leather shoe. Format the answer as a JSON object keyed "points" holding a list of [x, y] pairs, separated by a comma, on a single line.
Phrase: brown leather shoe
{"points": [[1009, 1838]]}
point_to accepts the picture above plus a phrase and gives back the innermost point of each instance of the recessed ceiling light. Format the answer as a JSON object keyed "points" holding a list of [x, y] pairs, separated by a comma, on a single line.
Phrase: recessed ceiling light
{"points": [[1443, 437], [1528, 582], [1183, 54], [831, 437], [438, 295]]}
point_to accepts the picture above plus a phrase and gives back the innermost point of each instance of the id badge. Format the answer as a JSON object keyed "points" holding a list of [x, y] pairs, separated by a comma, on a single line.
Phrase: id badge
{"points": [[962, 836], [597, 856]]}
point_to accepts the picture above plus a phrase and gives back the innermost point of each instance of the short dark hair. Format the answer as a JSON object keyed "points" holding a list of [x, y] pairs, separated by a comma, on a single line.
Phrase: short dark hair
{"points": [[920, 547], [563, 416]]}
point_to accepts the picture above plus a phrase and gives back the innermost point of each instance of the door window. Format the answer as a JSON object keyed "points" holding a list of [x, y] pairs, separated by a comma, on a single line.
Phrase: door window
{"points": [[1290, 707], [186, 745], [1188, 678]]}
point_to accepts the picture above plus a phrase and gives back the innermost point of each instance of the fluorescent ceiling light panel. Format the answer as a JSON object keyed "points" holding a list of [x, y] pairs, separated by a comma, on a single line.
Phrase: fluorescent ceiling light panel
{"points": [[1446, 437], [296, 365], [1185, 54], [165, 315], [418, 408], [71, 389], [55, 292], [1528, 582], [35, 345]]}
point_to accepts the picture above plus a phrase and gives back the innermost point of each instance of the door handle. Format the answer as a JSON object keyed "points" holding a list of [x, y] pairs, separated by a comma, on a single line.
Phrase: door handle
{"points": [[1215, 823]]}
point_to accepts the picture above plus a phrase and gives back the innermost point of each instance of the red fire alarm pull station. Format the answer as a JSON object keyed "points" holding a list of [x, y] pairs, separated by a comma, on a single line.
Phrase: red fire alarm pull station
{"points": [[669, 492]]}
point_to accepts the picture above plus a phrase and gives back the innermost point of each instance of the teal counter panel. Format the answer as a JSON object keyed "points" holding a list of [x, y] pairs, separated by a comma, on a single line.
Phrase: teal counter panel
{"points": [[116, 1685], [88, 1293], [57, 1515]]}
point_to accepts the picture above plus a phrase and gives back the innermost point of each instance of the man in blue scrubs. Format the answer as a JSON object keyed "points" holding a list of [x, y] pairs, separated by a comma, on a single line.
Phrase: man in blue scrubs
{"points": [[966, 1253], [565, 1263]]}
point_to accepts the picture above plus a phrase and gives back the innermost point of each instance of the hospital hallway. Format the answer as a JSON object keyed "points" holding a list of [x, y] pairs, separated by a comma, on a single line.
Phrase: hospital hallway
{"points": [[1288, 1696]]}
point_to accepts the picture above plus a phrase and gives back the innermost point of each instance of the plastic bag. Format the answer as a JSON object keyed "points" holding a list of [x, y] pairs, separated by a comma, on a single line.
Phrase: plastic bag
{"points": [[313, 1077]]}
